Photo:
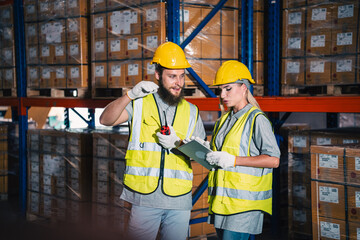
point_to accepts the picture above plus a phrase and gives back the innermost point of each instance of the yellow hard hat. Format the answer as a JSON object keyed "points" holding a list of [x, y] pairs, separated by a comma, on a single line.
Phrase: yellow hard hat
{"points": [[170, 55], [232, 71]]}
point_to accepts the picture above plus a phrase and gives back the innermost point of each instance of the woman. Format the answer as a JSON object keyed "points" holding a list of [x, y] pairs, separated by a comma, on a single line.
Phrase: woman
{"points": [[245, 149]]}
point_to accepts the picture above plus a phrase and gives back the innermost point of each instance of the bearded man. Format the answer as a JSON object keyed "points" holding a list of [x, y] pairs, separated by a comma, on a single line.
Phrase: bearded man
{"points": [[158, 179]]}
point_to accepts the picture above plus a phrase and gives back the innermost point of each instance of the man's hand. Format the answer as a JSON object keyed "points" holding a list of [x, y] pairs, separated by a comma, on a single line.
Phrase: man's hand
{"points": [[142, 89], [222, 159], [169, 141], [201, 141]]}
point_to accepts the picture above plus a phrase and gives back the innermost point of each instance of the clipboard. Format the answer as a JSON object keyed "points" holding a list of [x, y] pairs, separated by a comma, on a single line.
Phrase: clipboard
{"points": [[196, 151]]}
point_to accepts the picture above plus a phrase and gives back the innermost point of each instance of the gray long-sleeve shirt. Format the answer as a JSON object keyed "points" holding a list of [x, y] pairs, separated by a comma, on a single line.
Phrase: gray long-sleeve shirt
{"points": [[158, 199]]}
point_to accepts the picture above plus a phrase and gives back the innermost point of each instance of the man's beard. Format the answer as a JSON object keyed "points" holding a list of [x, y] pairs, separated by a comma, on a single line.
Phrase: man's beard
{"points": [[168, 97]]}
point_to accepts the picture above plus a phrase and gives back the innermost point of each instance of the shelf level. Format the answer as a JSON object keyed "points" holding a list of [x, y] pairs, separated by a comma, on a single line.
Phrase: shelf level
{"points": [[268, 104]]}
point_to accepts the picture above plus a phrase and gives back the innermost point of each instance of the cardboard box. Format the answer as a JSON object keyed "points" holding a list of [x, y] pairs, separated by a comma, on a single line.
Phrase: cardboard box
{"points": [[31, 33], [327, 163], [77, 29], [52, 31], [353, 201], [318, 71], [352, 154], [100, 75], [318, 42], [294, 20], [345, 14], [229, 21], [46, 53], [9, 78], [59, 8], [293, 71], [299, 142], [190, 18], [151, 41], [119, 145], [77, 8], [97, 6], [300, 220], [133, 46], [294, 44], [77, 76], [343, 41], [354, 228], [30, 11], [116, 74], [343, 69], [133, 73], [208, 69], [258, 72], [32, 54], [77, 52], [116, 48], [328, 200], [99, 49], [33, 77], [299, 169], [210, 46], [319, 17], [194, 48], [45, 9], [328, 228], [59, 56], [153, 17], [125, 22], [98, 25], [229, 47], [149, 71], [46, 77], [60, 77], [300, 194], [294, 3]]}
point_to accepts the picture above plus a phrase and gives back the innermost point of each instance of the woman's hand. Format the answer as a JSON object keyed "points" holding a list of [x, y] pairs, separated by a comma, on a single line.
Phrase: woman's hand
{"points": [[221, 159]]}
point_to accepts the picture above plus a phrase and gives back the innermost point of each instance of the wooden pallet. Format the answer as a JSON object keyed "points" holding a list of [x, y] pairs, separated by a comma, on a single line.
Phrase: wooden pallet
{"points": [[321, 90], [59, 93], [10, 92]]}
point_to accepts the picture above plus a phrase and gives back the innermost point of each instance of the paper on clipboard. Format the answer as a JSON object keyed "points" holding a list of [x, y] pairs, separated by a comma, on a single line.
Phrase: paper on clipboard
{"points": [[196, 151]]}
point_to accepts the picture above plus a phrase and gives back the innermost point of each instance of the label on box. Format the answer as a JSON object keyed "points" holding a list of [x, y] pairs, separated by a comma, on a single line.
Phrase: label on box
{"points": [[44, 6], [299, 191], [99, 47], [132, 43], [59, 5], [59, 50], [115, 45], [74, 49], [318, 14], [102, 151], [294, 18], [103, 165], [74, 72], [323, 141], [317, 66], [357, 199], [329, 230], [34, 166], [102, 187], [46, 179], [299, 215], [300, 141], [357, 163], [32, 52], [344, 39], [6, 14], [133, 69], [47, 189], [150, 68], [294, 43], [297, 165], [346, 11], [73, 25], [328, 161], [45, 51], [99, 71], [151, 14], [60, 73], [7, 33], [101, 198], [317, 41], [8, 74], [329, 194], [72, 3], [344, 65], [99, 22], [54, 33], [152, 41], [46, 73], [102, 176], [348, 141], [31, 31], [75, 185], [35, 186], [8, 55], [30, 9], [185, 16], [116, 70], [34, 177]]}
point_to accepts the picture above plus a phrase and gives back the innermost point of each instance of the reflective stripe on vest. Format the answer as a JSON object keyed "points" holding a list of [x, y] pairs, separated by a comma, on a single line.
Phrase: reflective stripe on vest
{"points": [[146, 161], [239, 189]]}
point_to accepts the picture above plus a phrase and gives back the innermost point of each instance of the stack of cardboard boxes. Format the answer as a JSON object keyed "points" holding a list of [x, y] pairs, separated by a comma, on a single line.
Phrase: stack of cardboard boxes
{"points": [[56, 34], [7, 51], [320, 43]]}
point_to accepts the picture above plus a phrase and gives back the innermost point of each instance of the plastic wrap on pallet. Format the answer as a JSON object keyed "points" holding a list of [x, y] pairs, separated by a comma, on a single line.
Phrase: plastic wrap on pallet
{"points": [[57, 45], [321, 47], [7, 51]]}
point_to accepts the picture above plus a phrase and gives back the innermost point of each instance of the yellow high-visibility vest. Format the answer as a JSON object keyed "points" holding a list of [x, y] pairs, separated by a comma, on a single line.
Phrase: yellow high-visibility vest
{"points": [[239, 189], [146, 161]]}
